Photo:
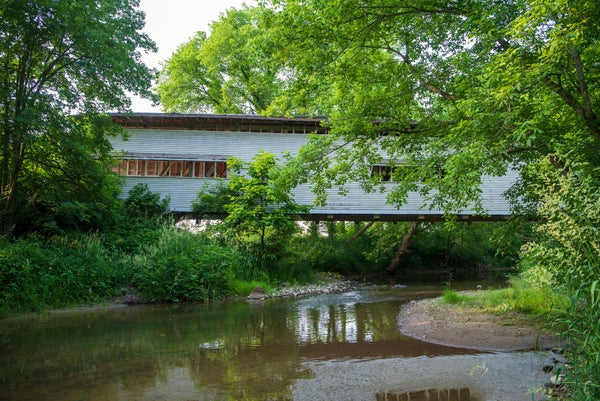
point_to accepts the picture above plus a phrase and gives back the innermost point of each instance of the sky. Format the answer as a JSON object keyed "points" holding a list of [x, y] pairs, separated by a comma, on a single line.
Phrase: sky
{"points": [[171, 23]]}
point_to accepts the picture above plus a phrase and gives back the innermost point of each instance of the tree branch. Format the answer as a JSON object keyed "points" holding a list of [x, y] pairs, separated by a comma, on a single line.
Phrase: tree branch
{"points": [[589, 117]]}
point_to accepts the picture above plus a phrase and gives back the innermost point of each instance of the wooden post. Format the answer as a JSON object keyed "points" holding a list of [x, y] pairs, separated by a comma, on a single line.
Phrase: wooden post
{"points": [[361, 231], [393, 267], [314, 229]]}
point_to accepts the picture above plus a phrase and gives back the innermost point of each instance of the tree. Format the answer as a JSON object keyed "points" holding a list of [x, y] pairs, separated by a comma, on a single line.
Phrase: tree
{"points": [[456, 89], [60, 58], [260, 210], [65, 183], [451, 90], [231, 71]]}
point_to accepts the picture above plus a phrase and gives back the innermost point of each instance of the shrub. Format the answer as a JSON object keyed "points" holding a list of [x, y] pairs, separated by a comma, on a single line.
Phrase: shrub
{"points": [[37, 274], [144, 203], [186, 267], [320, 254]]}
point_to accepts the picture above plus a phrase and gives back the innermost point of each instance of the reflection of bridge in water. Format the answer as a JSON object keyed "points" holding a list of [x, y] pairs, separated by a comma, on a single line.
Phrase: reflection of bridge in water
{"points": [[455, 394], [177, 155], [349, 322]]}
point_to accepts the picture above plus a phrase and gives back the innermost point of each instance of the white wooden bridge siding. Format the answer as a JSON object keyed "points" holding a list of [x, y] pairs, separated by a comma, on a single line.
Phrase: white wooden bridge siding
{"points": [[219, 145]]}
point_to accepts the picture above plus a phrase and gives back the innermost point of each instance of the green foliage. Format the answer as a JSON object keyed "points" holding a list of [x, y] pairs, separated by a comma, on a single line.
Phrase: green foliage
{"points": [[519, 296], [318, 254], [260, 210], [452, 297], [211, 199], [566, 254], [461, 246], [59, 59], [567, 244], [137, 222], [231, 71], [70, 187], [186, 267], [146, 204], [244, 288], [460, 90], [37, 274], [582, 321]]}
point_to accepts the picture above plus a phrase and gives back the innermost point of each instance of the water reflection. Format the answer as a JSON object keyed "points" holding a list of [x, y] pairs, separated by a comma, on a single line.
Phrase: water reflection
{"points": [[346, 318], [196, 352]]}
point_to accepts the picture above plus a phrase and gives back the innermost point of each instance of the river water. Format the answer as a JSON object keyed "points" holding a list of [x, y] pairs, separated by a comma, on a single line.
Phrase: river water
{"points": [[329, 347]]}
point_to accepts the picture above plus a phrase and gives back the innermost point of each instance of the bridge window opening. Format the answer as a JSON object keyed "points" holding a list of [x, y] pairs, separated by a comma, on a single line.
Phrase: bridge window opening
{"points": [[383, 171], [172, 168], [209, 169], [152, 167], [386, 172], [198, 169]]}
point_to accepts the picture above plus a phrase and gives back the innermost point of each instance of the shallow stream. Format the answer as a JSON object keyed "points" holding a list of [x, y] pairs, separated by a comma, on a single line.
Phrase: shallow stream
{"points": [[329, 347]]}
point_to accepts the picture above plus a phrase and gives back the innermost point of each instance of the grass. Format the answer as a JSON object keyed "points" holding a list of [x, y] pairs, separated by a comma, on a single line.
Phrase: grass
{"points": [[518, 297], [244, 288]]}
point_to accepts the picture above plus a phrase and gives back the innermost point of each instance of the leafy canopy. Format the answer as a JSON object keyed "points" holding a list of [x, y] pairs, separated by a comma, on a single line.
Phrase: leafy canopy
{"points": [[58, 59], [231, 71], [457, 89]]}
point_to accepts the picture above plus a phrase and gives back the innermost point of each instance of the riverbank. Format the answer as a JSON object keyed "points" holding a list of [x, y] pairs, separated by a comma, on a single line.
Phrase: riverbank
{"points": [[435, 321], [325, 284]]}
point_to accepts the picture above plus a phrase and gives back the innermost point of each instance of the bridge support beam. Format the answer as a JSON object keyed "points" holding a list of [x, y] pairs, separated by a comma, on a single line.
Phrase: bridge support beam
{"points": [[393, 267], [361, 231]]}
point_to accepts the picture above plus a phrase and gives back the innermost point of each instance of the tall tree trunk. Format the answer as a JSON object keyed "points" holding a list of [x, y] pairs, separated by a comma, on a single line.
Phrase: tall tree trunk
{"points": [[393, 267], [8, 196]]}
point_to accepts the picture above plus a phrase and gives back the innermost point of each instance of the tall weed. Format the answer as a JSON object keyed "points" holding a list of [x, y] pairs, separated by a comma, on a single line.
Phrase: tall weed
{"points": [[187, 267], [566, 253], [42, 273]]}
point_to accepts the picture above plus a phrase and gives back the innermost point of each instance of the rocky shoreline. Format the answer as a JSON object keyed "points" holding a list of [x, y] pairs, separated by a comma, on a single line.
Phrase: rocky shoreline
{"points": [[331, 286]]}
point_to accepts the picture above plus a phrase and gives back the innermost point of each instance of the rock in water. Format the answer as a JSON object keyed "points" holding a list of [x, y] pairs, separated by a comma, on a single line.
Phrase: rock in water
{"points": [[257, 293]]}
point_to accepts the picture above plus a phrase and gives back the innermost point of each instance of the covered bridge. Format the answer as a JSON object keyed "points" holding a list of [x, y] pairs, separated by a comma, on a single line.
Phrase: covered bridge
{"points": [[177, 154]]}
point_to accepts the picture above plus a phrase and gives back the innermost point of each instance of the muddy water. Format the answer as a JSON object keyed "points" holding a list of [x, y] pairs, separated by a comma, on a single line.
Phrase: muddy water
{"points": [[343, 346]]}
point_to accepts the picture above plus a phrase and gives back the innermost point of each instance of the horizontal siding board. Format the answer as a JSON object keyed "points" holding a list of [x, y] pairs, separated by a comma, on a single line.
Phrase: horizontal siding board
{"points": [[245, 145]]}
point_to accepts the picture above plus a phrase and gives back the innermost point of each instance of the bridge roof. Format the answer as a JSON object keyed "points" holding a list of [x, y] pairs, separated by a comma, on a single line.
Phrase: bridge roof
{"points": [[220, 122]]}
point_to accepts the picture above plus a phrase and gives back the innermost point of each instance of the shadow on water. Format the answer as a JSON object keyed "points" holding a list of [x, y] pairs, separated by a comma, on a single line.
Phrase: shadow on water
{"points": [[202, 352]]}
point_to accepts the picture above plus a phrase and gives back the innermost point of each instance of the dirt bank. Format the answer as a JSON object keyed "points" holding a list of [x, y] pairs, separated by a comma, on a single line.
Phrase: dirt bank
{"points": [[441, 323]]}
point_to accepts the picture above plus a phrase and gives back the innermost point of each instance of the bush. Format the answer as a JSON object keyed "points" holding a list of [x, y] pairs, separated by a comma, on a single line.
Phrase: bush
{"points": [[37, 274], [318, 254], [139, 222], [144, 203], [186, 267]]}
